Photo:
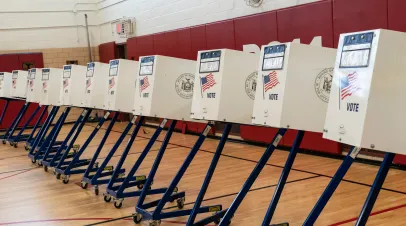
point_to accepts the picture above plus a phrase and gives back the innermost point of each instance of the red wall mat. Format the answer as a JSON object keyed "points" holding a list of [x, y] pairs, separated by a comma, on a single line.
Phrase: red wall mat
{"points": [[220, 35], [257, 133], [9, 62], [145, 46], [313, 141], [184, 44], [107, 52], [35, 58], [165, 43], [198, 40], [305, 22], [11, 112], [257, 29], [396, 11], [358, 15]]}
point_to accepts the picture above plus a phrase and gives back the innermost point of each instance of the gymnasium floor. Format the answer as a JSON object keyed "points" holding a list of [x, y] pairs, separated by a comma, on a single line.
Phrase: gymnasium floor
{"points": [[30, 196]]}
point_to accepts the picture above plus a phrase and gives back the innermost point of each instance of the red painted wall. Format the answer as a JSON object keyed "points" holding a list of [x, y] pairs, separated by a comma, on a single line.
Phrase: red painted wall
{"points": [[328, 18], [107, 52]]}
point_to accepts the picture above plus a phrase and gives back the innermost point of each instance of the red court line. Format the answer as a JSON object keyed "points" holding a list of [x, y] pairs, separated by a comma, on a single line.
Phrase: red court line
{"points": [[17, 174], [75, 219], [372, 214]]}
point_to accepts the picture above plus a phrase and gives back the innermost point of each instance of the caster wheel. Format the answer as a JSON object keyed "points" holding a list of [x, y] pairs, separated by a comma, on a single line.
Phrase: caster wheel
{"points": [[155, 223], [11, 144], [118, 203], [180, 203], [4, 141], [96, 191], [65, 179], [96, 165], [140, 186], [15, 145], [58, 176], [107, 198], [84, 185], [33, 161], [137, 218], [39, 163], [46, 168], [26, 148]]}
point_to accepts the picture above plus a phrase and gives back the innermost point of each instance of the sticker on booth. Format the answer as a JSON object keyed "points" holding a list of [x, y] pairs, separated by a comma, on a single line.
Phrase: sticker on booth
{"points": [[322, 84], [184, 85], [251, 85]]}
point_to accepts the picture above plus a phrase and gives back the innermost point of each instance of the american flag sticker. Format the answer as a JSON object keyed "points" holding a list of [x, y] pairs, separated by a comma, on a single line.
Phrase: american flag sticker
{"points": [[349, 85], [88, 83], [44, 85], [14, 83], [144, 83], [270, 81], [112, 83], [207, 82], [31, 83]]}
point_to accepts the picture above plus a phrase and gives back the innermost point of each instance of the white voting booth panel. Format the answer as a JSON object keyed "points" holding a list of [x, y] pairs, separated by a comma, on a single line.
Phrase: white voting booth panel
{"points": [[19, 84], [5, 84], [121, 85], [366, 107], [51, 84], [73, 85], [223, 86], [34, 85], [96, 85], [293, 86], [164, 87]]}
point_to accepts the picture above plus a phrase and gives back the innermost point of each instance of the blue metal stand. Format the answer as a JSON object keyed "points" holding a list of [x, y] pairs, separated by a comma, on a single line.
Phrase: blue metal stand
{"points": [[226, 220], [69, 169], [332, 186], [13, 140], [283, 178], [64, 148], [216, 217], [34, 129], [117, 191], [171, 193], [34, 154], [375, 189], [104, 170], [15, 122]]}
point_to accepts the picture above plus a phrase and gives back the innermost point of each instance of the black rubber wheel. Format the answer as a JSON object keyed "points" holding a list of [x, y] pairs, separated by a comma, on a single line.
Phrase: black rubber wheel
{"points": [[33, 161], [180, 203], [84, 185], [11, 144], [65, 180], [39, 163], [137, 218], [15, 145], [107, 198], [118, 205], [140, 186], [96, 191], [46, 168], [4, 141], [26, 148], [58, 176]]}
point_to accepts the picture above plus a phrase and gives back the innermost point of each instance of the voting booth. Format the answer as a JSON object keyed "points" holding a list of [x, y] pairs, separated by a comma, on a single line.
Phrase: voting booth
{"points": [[293, 86], [220, 92], [72, 85], [34, 85], [365, 108], [19, 84], [5, 84], [51, 82], [96, 85], [121, 85], [164, 87]]}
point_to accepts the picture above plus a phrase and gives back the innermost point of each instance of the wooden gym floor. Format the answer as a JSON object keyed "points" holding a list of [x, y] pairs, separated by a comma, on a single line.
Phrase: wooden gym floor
{"points": [[30, 196]]}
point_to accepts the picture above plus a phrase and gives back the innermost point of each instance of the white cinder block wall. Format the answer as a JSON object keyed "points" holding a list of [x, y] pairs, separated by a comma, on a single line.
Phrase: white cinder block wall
{"points": [[36, 24]]}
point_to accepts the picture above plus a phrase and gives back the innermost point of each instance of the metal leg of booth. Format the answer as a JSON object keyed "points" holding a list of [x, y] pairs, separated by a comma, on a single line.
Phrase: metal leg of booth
{"points": [[375, 189], [206, 183], [282, 180], [93, 166], [39, 139], [332, 186], [70, 168], [47, 149], [171, 193], [104, 170], [34, 129], [13, 140], [226, 220], [4, 110], [60, 163], [117, 191], [16, 121]]}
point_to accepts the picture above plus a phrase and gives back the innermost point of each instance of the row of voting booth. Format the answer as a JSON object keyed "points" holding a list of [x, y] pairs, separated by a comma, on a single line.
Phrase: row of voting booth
{"points": [[349, 94]]}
